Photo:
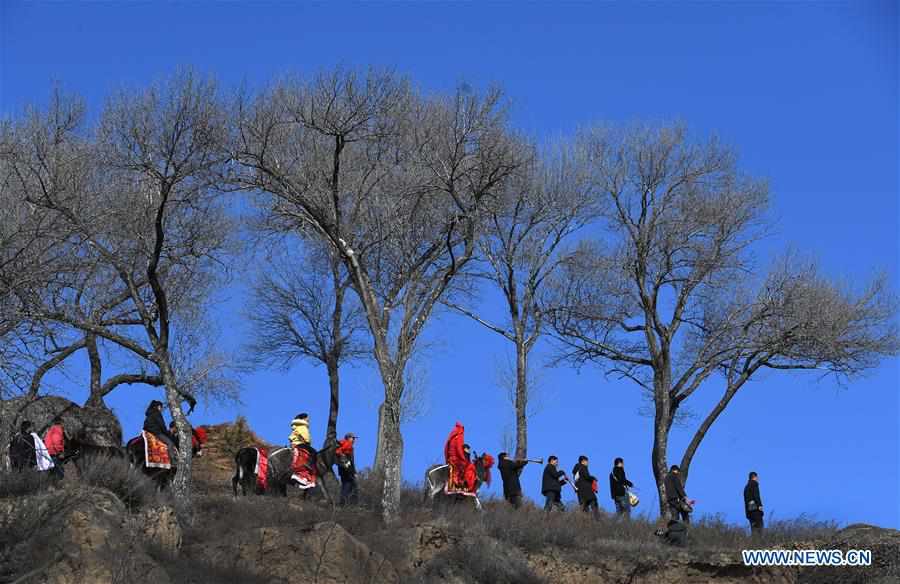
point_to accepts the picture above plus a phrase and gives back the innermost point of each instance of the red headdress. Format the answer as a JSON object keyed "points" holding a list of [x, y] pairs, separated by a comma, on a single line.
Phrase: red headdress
{"points": [[488, 461]]}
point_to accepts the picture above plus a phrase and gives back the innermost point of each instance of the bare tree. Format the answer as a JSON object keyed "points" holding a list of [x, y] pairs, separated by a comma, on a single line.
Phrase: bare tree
{"points": [[303, 307], [667, 301], [542, 206], [395, 183], [138, 221]]}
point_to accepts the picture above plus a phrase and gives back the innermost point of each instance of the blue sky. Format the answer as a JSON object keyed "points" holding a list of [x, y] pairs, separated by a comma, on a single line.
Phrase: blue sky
{"points": [[807, 92]]}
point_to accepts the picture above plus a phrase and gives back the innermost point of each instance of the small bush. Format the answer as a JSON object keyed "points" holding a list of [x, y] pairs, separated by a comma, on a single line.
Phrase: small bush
{"points": [[712, 531], [26, 482], [411, 495], [236, 436], [129, 484], [483, 561], [184, 569]]}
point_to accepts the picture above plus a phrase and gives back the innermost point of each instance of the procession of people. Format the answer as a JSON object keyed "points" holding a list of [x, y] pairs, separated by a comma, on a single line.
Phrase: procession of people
{"points": [[29, 450]]}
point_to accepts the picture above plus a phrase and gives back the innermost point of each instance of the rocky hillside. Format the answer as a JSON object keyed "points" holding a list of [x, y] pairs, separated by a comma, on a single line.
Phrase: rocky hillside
{"points": [[112, 527]]}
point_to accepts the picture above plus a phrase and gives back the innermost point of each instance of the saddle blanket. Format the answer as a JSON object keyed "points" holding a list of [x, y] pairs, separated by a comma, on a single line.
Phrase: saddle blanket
{"points": [[156, 452]]}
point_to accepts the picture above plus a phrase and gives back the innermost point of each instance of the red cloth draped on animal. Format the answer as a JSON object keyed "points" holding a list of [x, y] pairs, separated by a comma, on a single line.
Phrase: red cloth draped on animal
{"points": [[462, 471], [303, 467], [198, 438], [262, 470]]}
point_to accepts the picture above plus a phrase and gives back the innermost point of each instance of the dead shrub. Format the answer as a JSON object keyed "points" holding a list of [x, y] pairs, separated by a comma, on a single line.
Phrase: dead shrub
{"points": [[480, 560], [25, 482], [129, 484]]}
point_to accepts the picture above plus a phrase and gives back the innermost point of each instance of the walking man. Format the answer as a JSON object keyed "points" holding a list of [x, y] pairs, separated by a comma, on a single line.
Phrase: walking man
{"points": [[618, 488], [347, 470], [679, 506], [584, 484], [551, 485], [753, 504], [22, 448], [27, 450], [510, 471]]}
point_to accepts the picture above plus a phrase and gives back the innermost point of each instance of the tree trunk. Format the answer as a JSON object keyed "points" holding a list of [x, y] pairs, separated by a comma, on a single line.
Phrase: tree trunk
{"points": [[96, 398], [181, 486], [6, 434], [521, 401], [661, 424], [392, 457], [378, 463], [333, 357], [700, 434], [334, 382]]}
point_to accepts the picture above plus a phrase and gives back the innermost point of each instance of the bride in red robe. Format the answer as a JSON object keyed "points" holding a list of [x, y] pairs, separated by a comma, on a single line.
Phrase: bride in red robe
{"points": [[462, 470]]}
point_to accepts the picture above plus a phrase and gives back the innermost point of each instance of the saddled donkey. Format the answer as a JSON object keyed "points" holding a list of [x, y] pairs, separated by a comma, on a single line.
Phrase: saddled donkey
{"points": [[437, 477], [279, 471], [163, 477]]}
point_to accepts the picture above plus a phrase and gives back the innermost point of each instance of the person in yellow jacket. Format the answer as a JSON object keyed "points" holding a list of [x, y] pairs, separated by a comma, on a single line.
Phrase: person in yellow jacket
{"points": [[300, 430]]}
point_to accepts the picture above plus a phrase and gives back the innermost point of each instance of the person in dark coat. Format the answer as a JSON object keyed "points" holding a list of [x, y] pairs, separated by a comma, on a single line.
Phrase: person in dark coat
{"points": [[618, 488], [753, 504], [347, 470], [584, 484], [22, 448], [197, 438], [156, 425], [551, 485], [510, 471], [676, 497]]}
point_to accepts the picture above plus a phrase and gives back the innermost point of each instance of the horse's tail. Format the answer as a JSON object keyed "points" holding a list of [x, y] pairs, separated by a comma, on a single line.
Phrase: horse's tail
{"points": [[238, 467], [238, 470], [429, 485]]}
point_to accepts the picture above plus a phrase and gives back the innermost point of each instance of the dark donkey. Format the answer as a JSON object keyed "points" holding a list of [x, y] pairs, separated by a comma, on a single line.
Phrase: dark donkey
{"points": [[163, 477], [279, 472], [437, 476]]}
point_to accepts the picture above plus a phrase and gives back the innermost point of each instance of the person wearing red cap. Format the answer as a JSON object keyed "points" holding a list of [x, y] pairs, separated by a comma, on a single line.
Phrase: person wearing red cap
{"points": [[347, 470]]}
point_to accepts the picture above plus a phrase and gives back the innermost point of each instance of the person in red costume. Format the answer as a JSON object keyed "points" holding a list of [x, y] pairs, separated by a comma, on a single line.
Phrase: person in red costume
{"points": [[456, 453]]}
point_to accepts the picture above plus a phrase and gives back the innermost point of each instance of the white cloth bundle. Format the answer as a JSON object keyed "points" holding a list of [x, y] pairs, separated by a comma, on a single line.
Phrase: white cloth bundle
{"points": [[43, 460]]}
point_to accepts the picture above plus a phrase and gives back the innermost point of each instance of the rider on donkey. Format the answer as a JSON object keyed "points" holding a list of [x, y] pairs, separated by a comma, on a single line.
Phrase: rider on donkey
{"points": [[457, 455], [156, 425]]}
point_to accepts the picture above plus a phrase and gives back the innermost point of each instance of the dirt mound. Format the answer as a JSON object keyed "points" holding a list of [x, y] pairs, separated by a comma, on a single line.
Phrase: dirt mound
{"points": [[884, 545], [214, 469]]}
